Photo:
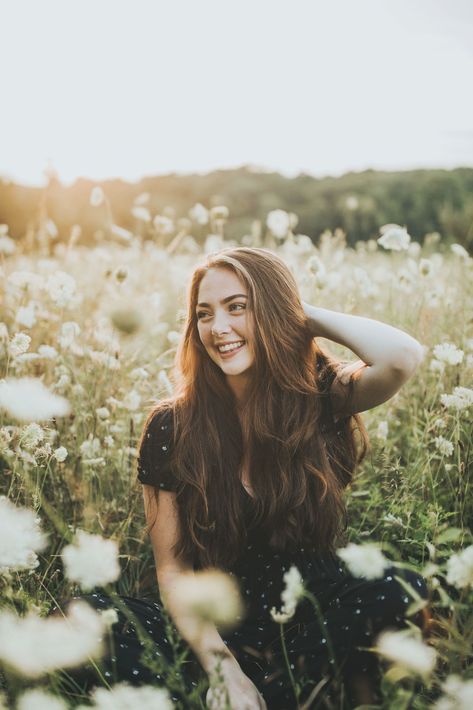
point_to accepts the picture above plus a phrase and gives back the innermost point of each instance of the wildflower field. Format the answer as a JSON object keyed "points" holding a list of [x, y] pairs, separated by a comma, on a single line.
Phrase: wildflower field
{"points": [[88, 336]]}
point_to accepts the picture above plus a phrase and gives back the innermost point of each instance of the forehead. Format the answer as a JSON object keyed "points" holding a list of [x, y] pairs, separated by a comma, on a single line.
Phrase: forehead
{"points": [[218, 283]]}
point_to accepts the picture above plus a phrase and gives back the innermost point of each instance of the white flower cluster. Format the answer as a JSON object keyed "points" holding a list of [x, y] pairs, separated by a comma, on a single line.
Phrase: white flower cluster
{"points": [[407, 652], [127, 697], [37, 699], [364, 560], [461, 398], [33, 646], [458, 694], [29, 400], [20, 537], [291, 594], [448, 353], [444, 446], [61, 289], [209, 595], [91, 560], [394, 237], [460, 568]]}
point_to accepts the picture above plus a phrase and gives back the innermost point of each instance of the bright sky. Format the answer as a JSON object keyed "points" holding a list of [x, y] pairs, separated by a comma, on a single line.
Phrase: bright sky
{"points": [[127, 88]]}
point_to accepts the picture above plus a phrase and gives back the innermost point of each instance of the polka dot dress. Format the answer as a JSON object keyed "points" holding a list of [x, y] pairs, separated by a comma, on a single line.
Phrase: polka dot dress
{"points": [[329, 641]]}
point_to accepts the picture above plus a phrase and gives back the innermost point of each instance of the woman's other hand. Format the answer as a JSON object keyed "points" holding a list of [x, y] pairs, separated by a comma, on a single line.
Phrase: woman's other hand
{"points": [[242, 692]]}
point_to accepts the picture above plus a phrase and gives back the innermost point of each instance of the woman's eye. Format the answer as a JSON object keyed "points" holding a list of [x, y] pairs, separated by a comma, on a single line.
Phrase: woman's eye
{"points": [[241, 305], [202, 314]]}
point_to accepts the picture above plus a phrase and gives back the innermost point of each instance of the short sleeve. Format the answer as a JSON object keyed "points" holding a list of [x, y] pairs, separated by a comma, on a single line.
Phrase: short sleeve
{"points": [[154, 455]]}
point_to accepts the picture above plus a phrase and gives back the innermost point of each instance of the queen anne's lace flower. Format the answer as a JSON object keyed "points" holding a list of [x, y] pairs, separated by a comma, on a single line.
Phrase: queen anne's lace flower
{"points": [[20, 537], [462, 398], [279, 223], [124, 697], [448, 353], [460, 568], [290, 596], [364, 560], [91, 560], [37, 699], [29, 400], [209, 595], [407, 652], [458, 694], [394, 237]]}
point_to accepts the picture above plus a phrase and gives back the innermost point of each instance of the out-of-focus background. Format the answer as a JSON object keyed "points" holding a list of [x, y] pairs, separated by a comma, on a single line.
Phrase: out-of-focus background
{"points": [[350, 114]]}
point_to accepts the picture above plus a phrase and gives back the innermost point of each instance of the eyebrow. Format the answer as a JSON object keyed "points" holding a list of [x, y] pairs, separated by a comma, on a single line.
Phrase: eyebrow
{"points": [[225, 300]]}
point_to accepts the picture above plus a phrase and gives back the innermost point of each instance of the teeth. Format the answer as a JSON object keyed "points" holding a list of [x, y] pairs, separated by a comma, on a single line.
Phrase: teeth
{"points": [[232, 346]]}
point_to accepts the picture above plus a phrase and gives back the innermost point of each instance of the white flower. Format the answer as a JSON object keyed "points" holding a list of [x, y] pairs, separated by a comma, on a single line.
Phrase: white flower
{"points": [[290, 596], [51, 229], [199, 214], [437, 366], [60, 454], [7, 245], [31, 435], [208, 595], [20, 537], [425, 267], [174, 337], [5, 439], [68, 333], [444, 446], [25, 280], [458, 694], [110, 617], [315, 265], [394, 237], [132, 400], [97, 196], [47, 351], [61, 288], [19, 344], [213, 242], [37, 699], [90, 447], [462, 398], [25, 316], [382, 430], [91, 560], [408, 652], [449, 353], [102, 412], [439, 423], [460, 251], [127, 697], [29, 400], [460, 568], [365, 560], [219, 213], [279, 223], [141, 213], [34, 646], [163, 225]]}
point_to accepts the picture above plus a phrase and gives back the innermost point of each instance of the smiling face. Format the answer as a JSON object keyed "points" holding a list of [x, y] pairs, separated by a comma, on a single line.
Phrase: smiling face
{"points": [[223, 319]]}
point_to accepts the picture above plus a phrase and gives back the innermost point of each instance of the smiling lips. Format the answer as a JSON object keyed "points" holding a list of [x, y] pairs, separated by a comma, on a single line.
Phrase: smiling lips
{"points": [[230, 347]]}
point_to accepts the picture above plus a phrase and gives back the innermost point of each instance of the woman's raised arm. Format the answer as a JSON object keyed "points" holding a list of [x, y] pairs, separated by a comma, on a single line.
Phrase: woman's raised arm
{"points": [[388, 357]]}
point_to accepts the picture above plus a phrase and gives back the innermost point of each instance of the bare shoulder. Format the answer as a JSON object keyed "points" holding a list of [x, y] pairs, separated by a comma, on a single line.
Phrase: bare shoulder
{"points": [[372, 385]]}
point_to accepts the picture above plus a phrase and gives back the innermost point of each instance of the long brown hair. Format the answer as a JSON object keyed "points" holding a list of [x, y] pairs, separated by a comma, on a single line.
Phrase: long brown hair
{"points": [[299, 460]]}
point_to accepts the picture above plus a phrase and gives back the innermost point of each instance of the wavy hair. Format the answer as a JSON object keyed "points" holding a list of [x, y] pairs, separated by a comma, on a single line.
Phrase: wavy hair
{"points": [[299, 461]]}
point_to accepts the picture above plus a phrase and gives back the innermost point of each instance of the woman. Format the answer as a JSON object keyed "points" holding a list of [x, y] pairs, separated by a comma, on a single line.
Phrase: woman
{"points": [[244, 469]]}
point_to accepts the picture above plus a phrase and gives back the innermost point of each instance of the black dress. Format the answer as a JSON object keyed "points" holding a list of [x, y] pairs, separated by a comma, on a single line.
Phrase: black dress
{"points": [[352, 611]]}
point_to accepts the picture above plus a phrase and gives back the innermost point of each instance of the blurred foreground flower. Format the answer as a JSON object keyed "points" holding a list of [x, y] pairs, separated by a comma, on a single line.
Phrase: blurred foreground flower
{"points": [[394, 237], [33, 646], [37, 699], [128, 320], [199, 214], [125, 697], [19, 344], [459, 250], [209, 595], [458, 694], [91, 560], [290, 596], [460, 568], [407, 652], [20, 537], [29, 400], [364, 560]]}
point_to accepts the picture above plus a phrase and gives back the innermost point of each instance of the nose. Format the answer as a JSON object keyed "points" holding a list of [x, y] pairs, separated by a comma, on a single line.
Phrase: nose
{"points": [[220, 324]]}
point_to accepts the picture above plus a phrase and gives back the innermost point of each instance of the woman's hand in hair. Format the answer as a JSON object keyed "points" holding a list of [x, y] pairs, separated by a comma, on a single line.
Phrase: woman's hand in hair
{"points": [[242, 692]]}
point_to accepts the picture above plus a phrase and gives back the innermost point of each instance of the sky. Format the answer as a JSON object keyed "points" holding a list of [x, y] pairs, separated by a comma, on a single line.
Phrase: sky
{"points": [[133, 88]]}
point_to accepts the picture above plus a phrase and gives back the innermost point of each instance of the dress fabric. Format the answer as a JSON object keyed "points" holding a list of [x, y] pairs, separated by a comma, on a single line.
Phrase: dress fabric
{"points": [[350, 611]]}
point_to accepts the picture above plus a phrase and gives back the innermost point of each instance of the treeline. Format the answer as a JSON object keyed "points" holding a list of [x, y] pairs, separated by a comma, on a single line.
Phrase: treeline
{"points": [[359, 203]]}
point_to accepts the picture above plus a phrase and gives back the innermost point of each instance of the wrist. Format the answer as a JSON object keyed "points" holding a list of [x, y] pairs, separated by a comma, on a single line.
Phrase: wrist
{"points": [[225, 659]]}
